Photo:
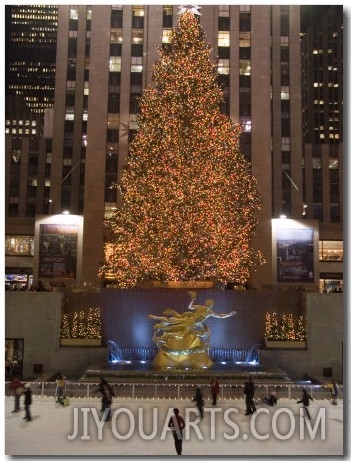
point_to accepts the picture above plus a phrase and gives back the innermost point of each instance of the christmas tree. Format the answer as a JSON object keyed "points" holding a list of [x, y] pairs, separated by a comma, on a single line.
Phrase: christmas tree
{"points": [[189, 199]]}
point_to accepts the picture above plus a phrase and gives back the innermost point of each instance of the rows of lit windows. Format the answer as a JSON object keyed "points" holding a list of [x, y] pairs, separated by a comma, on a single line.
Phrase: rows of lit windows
{"points": [[20, 131]]}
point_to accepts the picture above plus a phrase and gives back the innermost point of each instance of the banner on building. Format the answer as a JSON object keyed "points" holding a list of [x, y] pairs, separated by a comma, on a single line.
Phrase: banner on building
{"points": [[295, 255], [58, 245]]}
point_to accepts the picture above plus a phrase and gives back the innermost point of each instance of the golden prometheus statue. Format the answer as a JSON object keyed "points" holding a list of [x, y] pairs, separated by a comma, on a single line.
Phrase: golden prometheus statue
{"points": [[183, 339]]}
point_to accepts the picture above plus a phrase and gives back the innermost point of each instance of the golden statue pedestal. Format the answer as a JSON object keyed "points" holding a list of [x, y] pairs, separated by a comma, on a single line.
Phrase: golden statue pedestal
{"points": [[197, 360]]}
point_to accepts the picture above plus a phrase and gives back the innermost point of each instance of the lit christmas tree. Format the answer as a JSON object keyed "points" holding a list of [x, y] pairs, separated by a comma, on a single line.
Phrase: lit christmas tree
{"points": [[65, 327], [301, 331], [272, 328], [94, 327], [189, 199], [75, 325], [290, 327], [81, 325]]}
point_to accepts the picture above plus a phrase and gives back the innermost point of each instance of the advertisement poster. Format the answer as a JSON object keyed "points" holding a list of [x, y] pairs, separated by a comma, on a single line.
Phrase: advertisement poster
{"points": [[58, 250], [295, 255]]}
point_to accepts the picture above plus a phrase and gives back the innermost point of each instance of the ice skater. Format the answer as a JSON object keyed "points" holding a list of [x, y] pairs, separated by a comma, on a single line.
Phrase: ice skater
{"points": [[198, 398], [177, 424], [107, 394], [305, 400], [214, 385], [249, 391], [27, 402], [18, 388]]}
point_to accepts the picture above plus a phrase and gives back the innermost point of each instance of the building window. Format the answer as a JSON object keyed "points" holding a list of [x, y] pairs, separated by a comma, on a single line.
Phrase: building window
{"points": [[167, 19], [114, 78], [137, 50], [115, 63], [223, 38], [317, 211], [331, 250], [317, 186], [19, 245], [115, 49], [166, 35], [113, 103], [73, 13], [72, 47], [284, 20], [116, 18], [224, 22], [138, 17], [334, 186], [134, 103], [284, 54], [244, 67], [225, 106], [223, 11], [116, 36], [136, 64], [284, 93], [285, 127], [13, 209], [245, 21], [112, 136], [335, 213], [137, 36], [316, 163], [30, 210], [223, 52], [111, 162]]}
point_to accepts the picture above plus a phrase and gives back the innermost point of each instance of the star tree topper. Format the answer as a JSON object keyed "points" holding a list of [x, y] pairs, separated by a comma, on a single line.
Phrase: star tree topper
{"points": [[191, 8]]}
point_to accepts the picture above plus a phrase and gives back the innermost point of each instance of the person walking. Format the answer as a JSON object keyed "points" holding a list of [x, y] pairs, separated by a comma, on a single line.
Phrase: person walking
{"points": [[305, 400], [60, 387], [177, 424], [107, 394], [27, 401], [198, 398], [335, 392], [18, 388], [214, 385], [249, 391]]}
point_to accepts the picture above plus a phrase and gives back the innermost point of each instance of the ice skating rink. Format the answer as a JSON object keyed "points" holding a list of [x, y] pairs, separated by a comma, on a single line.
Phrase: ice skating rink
{"points": [[139, 428]]}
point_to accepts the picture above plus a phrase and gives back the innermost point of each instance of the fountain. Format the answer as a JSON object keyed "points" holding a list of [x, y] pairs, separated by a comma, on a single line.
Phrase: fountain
{"points": [[253, 355], [114, 352], [181, 352]]}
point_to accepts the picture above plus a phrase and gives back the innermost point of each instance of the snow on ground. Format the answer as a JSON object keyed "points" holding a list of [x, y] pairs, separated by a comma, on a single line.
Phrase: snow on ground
{"points": [[137, 428]]}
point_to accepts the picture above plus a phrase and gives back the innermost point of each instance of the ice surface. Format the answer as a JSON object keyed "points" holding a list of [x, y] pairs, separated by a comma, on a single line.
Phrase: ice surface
{"points": [[276, 433]]}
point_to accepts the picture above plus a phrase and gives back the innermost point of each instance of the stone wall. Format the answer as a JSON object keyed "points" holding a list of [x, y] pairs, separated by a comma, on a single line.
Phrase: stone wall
{"points": [[35, 317], [325, 340]]}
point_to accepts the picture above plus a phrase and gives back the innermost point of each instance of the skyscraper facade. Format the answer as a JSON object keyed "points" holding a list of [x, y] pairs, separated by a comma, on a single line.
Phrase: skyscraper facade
{"points": [[30, 54], [322, 136], [104, 60]]}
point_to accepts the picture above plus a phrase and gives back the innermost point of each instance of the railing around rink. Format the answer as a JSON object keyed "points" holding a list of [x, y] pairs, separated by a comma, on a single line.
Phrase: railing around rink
{"points": [[186, 391]]}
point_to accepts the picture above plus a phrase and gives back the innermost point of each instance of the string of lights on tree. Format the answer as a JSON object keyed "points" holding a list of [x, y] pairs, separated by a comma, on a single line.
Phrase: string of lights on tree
{"points": [[190, 201]]}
